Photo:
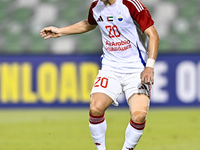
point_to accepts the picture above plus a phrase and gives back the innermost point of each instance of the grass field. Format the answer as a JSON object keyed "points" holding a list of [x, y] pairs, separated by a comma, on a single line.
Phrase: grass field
{"points": [[67, 129]]}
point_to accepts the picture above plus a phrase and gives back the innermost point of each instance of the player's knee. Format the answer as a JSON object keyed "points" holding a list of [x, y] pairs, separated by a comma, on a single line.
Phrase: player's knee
{"points": [[139, 116], [95, 110]]}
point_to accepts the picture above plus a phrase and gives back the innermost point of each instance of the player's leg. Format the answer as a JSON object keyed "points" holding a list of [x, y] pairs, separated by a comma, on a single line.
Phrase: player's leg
{"points": [[98, 104], [105, 91], [139, 105]]}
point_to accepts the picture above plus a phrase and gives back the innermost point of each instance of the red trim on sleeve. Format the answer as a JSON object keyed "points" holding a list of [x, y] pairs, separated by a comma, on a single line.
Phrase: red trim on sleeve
{"points": [[91, 19], [139, 13]]}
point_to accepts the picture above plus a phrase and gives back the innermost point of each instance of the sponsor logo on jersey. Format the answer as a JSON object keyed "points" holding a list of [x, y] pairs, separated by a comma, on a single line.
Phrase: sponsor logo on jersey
{"points": [[110, 18], [118, 46], [120, 18], [100, 19], [125, 42]]}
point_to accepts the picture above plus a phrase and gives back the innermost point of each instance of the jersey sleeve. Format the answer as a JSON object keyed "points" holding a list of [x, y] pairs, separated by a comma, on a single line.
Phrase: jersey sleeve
{"points": [[91, 19], [139, 13]]}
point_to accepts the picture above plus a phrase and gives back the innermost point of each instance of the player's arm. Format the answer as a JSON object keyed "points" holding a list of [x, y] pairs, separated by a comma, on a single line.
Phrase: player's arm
{"points": [[54, 32], [147, 75]]}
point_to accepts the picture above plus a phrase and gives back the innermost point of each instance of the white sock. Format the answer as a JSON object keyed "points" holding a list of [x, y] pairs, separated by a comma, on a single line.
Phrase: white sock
{"points": [[133, 134], [98, 128]]}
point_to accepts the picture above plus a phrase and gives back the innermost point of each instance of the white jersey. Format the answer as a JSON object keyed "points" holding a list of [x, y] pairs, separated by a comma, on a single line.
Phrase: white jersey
{"points": [[122, 25]]}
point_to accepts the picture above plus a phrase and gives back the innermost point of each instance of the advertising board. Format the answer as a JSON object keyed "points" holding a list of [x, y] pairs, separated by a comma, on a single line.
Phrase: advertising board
{"points": [[66, 80]]}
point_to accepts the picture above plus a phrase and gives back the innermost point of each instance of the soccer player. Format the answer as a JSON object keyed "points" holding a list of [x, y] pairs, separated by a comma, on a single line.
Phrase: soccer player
{"points": [[130, 48]]}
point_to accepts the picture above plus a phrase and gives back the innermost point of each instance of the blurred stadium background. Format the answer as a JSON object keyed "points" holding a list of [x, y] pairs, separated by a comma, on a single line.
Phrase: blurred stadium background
{"points": [[59, 73], [177, 21]]}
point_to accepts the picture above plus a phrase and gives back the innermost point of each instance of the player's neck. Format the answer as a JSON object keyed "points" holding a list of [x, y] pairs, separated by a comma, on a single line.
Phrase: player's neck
{"points": [[109, 2]]}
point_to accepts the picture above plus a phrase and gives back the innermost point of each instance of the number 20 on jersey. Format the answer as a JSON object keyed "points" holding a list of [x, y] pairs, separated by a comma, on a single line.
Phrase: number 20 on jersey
{"points": [[113, 31]]}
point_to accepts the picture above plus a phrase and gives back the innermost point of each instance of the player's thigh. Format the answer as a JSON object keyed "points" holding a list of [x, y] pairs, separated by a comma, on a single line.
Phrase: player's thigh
{"points": [[107, 83], [99, 103], [139, 106], [133, 86]]}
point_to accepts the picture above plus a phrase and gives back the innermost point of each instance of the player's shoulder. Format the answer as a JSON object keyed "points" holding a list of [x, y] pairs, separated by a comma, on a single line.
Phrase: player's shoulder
{"points": [[97, 3], [134, 4], [133, 1], [94, 2]]}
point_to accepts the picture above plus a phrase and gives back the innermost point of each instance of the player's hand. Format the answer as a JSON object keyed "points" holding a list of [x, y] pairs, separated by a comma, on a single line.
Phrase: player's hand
{"points": [[50, 32], [147, 76]]}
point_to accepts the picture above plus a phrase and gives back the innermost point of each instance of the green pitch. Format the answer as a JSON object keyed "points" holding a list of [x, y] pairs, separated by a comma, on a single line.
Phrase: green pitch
{"points": [[67, 129]]}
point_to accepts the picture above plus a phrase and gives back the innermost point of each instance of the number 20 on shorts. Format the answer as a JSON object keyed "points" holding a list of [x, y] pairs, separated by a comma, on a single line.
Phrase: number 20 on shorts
{"points": [[103, 82]]}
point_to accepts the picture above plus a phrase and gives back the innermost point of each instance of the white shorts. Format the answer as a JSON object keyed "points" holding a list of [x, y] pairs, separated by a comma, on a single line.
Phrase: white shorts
{"points": [[113, 84]]}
